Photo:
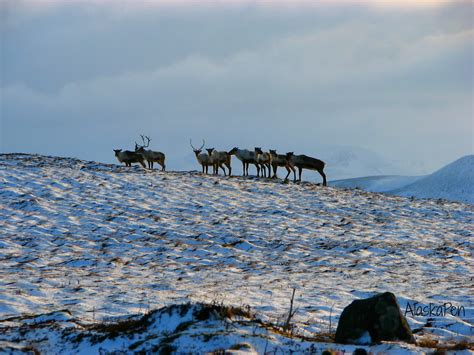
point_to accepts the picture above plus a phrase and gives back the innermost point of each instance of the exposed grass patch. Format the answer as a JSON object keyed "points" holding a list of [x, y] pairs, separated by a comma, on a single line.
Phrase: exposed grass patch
{"points": [[113, 329], [442, 347], [221, 311], [241, 346]]}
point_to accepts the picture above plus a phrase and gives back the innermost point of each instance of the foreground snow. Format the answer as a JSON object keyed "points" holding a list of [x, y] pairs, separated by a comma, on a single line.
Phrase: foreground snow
{"points": [[185, 328], [103, 241]]}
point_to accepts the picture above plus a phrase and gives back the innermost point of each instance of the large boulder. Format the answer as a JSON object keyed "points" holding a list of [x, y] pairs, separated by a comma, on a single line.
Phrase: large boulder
{"points": [[372, 320]]}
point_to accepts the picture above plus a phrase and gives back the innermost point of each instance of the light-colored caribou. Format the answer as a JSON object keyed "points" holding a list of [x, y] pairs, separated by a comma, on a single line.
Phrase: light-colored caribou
{"points": [[149, 155], [220, 158], [279, 160], [247, 157], [203, 159], [128, 157], [304, 162], [264, 159]]}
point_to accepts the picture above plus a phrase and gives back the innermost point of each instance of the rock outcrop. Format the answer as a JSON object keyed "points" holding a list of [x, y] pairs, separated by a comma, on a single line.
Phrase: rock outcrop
{"points": [[372, 320]]}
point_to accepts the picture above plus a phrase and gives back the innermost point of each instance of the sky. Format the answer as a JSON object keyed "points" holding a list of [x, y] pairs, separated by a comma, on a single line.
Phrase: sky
{"points": [[388, 78]]}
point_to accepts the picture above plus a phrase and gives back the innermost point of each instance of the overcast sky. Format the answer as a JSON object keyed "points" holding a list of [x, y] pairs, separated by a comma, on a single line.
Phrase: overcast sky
{"points": [[80, 78]]}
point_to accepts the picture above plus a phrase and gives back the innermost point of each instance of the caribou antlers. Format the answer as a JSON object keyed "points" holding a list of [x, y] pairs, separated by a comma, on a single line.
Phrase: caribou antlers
{"points": [[145, 145], [194, 148]]}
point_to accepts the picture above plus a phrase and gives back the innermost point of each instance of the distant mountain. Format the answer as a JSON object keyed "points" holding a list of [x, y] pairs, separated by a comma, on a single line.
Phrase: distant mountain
{"points": [[453, 182], [382, 183]]}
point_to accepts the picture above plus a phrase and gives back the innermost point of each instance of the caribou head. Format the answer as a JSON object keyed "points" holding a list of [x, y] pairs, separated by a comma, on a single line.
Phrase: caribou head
{"points": [[197, 151]]}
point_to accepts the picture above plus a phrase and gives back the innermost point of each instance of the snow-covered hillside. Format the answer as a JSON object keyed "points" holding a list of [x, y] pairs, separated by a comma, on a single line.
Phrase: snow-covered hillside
{"points": [[454, 182], [92, 242]]}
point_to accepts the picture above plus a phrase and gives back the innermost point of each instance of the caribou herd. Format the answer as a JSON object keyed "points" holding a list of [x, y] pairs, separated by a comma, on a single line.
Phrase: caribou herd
{"points": [[140, 155], [266, 163]]}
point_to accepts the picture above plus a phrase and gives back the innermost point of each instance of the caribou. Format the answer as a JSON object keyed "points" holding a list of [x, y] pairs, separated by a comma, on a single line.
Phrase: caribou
{"points": [[149, 155], [265, 161], [220, 158], [128, 157], [203, 159], [305, 162], [247, 157], [279, 160]]}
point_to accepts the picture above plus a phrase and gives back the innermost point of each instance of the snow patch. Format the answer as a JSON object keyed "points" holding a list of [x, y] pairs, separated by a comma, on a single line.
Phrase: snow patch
{"points": [[105, 242]]}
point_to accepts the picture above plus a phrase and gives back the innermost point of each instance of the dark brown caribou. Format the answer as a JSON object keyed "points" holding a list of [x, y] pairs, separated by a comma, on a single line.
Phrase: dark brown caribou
{"points": [[304, 162]]}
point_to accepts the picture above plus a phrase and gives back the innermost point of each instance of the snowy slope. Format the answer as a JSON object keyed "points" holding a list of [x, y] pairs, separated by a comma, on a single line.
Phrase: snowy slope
{"points": [[95, 241], [453, 182], [376, 183]]}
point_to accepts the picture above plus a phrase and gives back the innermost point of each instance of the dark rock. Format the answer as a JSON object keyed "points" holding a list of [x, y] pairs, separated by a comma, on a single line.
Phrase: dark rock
{"points": [[372, 320]]}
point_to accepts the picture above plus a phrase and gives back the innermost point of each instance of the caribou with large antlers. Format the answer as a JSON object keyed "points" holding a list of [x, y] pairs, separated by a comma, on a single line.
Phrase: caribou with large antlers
{"points": [[149, 155], [305, 162], [203, 158]]}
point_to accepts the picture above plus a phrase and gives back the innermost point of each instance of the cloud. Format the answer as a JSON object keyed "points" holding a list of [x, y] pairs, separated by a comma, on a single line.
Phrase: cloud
{"points": [[345, 76]]}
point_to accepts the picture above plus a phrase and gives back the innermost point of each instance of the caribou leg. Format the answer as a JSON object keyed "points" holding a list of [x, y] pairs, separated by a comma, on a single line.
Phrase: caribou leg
{"points": [[300, 170], [275, 171], [324, 177], [222, 169]]}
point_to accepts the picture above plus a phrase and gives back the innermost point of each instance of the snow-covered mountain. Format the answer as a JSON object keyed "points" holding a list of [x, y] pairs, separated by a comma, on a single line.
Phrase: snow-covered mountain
{"points": [[382, 183], [453, 182], [83, 244]]}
